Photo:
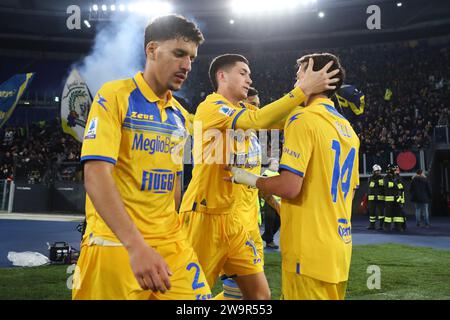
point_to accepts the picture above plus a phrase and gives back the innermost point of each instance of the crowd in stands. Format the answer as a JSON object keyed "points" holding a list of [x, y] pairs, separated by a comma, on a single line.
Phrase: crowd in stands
{"points": [[35, 154], [406, 87], [418, 77]]}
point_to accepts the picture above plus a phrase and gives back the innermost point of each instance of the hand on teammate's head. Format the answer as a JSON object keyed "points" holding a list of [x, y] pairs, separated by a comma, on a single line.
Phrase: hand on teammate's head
{"points": [[318, 74]]}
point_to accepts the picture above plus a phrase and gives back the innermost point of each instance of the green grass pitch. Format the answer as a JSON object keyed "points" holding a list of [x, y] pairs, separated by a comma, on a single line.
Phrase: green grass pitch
{"points": [[406, 273]]}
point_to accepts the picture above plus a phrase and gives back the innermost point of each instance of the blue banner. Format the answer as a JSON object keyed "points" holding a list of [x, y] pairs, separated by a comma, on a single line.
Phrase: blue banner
{"points": [[10, 93]]}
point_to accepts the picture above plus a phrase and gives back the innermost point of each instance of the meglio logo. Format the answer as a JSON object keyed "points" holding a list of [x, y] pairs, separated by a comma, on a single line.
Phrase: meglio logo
{"points": [[158, 144], [344, 230], [158, 181]]}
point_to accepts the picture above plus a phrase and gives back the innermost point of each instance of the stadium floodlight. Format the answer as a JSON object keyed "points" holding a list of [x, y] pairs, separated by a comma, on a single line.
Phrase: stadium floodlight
{"points": [[57, 98], [113, 7], [267, 6], [95, 7], [308, 2], [87, 25], [231, 21], [131, 8], [321, 14], [104, 7], [399, 4], [122, 7]]}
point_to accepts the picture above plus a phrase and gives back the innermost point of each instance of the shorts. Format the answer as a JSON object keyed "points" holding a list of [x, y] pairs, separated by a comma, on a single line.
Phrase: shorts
{"points": [[104, 272], [221, 244], [300, 287], [255, 235]]}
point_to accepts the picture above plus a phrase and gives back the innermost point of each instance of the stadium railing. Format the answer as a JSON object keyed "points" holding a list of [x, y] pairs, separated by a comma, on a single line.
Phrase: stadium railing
{"points": [[60, 190], [366, 161], [6, 195]]}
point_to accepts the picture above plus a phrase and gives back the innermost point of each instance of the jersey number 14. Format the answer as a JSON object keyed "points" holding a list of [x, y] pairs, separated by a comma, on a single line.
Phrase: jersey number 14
{"points": [[341, 173]]}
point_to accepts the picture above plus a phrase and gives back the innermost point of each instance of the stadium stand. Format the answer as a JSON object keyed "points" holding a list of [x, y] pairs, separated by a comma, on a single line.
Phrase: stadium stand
{"points": [[402, 122]]}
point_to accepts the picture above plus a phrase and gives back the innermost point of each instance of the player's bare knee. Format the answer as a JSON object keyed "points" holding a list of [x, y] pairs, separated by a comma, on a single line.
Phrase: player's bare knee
{"points": [[266, 295]]}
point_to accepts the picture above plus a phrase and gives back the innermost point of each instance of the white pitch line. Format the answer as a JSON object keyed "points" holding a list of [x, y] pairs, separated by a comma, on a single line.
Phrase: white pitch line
{"points": [[41, 217]]}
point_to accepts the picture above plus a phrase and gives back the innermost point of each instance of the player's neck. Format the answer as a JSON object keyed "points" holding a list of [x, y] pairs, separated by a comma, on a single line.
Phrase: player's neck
{"points": [[226, 94], [159, 90], [313, 97]]}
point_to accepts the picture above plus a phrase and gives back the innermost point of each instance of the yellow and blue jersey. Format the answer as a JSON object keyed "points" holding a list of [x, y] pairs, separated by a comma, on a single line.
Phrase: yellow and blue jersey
{"points": [[207, 191], [212, 148], [315, 237], [248, 157], [142, 135]]}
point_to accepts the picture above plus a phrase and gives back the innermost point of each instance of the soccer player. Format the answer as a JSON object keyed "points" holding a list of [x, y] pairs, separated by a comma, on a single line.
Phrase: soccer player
{"points": [[319, 171], [218, 236], [252, 97], [246, 206], [134, 247]]}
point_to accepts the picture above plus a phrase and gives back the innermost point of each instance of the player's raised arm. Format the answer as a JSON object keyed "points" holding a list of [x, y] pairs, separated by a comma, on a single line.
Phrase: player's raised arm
{"points": [[312, 82]]}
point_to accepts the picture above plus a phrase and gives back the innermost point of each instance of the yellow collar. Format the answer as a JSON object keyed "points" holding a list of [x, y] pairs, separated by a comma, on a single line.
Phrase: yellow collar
{"points": [[148, 92], [320, 101], [219, 97]]}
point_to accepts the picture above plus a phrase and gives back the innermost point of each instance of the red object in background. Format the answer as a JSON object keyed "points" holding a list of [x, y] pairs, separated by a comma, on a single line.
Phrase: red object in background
{"points": [[406, 160], [363, 204]]}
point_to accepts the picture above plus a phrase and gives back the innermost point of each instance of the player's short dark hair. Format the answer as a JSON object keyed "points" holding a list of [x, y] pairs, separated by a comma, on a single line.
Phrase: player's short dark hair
{"points": [[320, 60], [171, 27], [223, 61], [419, 172], [252, 92]]}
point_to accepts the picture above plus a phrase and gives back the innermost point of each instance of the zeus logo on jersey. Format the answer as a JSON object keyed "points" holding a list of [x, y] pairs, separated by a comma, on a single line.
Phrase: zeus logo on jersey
{"points": [[136, 115], [293, 118], [344, 230], [158, 181], [92, 129], [159, 144]]}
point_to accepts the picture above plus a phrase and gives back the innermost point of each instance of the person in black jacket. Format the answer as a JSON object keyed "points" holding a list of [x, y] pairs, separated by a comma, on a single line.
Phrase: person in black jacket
{"points": [[394, 199], [420, 196], [375, 198]]}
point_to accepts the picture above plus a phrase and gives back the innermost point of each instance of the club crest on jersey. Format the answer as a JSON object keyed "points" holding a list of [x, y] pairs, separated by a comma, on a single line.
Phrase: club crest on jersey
{"points": [[344, 230], [92, 129], [226, 111]]}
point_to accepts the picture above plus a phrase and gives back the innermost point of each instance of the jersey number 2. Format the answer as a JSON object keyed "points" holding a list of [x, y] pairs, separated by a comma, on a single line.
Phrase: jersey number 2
{"points": [[339, 173], [195, 283]]}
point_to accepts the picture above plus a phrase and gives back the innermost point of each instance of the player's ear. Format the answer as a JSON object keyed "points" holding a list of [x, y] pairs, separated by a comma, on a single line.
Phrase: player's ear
{"points": [[150, 49], [220, 75]]}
